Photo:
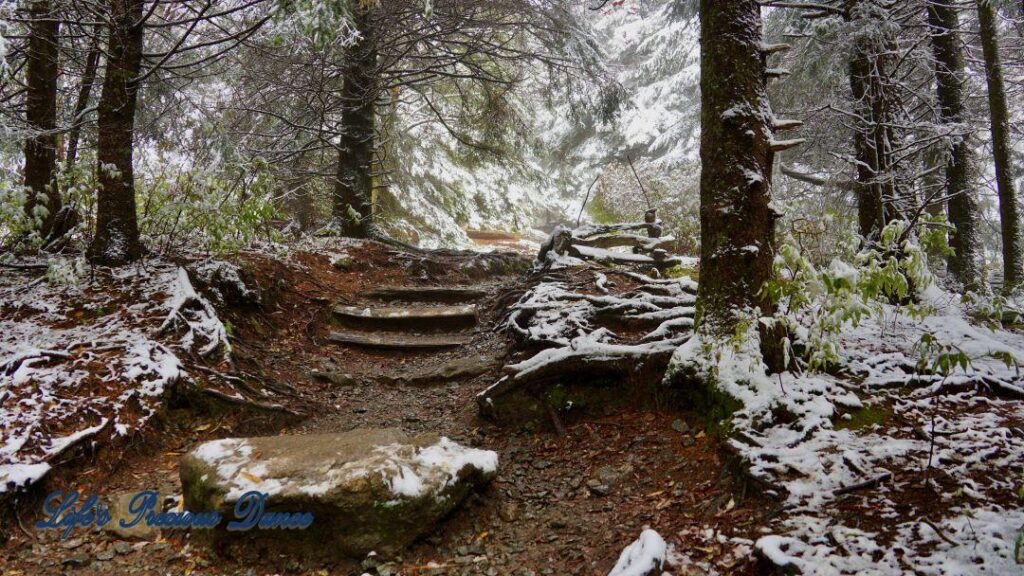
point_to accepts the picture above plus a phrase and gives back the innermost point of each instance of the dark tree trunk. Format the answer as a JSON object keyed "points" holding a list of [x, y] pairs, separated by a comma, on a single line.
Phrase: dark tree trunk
{"points": [[41, 114], [117, 230], [879, 196], [353, 192], [737, 222], [1013, 259], [962, 205], [92, 62], [870, 215]]}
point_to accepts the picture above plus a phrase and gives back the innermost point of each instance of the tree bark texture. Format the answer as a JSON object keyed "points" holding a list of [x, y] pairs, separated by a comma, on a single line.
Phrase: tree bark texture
{"points": [[737, 221], [92, 62], [879, 198], [965, 264], [41, 115], [1009, 214], [353, 192], [116, 241]]}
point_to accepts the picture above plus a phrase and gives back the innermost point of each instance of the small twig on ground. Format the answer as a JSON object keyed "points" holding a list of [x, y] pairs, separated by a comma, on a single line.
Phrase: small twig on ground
{"points": [[17, 516], [556, 421], [931, 439], [241, 400], [863, 485], [938, 532], [235, 380], [23, 266]]}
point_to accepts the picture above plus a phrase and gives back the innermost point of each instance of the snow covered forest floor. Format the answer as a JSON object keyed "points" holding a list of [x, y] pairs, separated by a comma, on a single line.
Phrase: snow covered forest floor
{"points": [[889, 462], [90, 352], [884, 469], [906, 456]]}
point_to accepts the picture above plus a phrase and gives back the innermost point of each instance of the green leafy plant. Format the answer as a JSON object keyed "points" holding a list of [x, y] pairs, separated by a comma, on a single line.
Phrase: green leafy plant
{"points": [[940, 358], [816, 303], [214, 210]]}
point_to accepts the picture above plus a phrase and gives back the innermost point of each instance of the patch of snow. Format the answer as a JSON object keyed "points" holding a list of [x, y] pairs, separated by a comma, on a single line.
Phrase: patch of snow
{"points": [[644, 557]]}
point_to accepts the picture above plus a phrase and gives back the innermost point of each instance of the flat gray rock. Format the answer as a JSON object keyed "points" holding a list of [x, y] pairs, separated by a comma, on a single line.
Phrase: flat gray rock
{"points": [[459, 368], [394, 341], [369, 490], [120, 510], [440, 294], [414, 316]]}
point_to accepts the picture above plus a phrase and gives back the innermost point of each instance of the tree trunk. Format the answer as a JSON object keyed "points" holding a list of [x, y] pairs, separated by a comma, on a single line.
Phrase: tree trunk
{"points": [[117, 230], [965, 263], [737, 222], [879, 198], [92, 62], [1013, 259], [353, 192], [870, 216], [41, 114]]}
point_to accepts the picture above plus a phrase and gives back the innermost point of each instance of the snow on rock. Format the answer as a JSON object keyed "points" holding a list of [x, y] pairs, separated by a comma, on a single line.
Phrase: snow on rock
{"points": [[373, 489], [81, 356], [644, 557], [278, 465]]}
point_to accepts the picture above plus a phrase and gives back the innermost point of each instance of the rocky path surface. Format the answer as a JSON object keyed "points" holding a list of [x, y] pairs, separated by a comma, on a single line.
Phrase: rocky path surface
{"points": [[393, 341]]}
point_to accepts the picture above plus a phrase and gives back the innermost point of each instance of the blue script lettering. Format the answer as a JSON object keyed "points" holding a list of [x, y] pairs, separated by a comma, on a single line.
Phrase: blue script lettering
{"points": [[250, 513], [62, 514], [143, 506]]}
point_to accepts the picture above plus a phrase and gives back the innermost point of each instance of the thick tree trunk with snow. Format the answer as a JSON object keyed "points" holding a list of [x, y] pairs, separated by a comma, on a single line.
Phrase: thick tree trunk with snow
{"points": [[116, 241], [353, 191], [879, 196], [965, 263], [1013, 258], [41, 114], [737, 221]]}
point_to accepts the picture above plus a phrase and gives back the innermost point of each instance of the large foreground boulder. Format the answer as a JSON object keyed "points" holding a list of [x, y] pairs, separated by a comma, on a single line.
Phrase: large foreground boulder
{"points": [[369, 490]]}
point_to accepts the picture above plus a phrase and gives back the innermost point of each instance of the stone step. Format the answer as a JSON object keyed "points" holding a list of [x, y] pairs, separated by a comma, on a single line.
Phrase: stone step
{"points": [[390, 341], [435, 294], [457, 369], [415, 317]]}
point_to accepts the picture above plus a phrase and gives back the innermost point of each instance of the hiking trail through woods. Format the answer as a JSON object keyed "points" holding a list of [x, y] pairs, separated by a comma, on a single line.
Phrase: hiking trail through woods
{"points": [[365, 336]]}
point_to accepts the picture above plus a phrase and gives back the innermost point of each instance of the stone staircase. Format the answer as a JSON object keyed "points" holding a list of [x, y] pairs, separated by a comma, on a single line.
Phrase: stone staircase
{"points": [[409, 318]]}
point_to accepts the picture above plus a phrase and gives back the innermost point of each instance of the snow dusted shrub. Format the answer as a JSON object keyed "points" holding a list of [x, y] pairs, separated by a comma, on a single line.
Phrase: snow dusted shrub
{"points": [[212, 209], [77, 185], [66, 271], [816, 303], [14, 223]]}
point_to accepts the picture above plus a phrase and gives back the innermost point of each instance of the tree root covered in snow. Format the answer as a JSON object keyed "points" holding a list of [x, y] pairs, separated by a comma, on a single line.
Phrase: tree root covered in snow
{"points": [[197, 316], [595, 242], [11, 366], [587, 324], [596, 361]]}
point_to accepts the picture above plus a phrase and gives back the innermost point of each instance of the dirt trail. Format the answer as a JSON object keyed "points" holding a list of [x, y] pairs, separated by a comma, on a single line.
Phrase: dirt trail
{"points": [[560, 505]]}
